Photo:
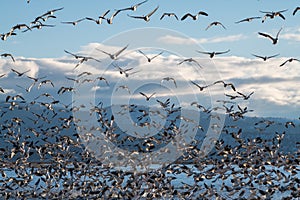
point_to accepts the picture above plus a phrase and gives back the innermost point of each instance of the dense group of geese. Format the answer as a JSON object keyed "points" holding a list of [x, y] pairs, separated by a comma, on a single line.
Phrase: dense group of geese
{"points": [[248, 167]]}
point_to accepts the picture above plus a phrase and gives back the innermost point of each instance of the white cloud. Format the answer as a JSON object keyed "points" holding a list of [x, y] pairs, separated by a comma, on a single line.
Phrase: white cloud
{"points": [[278, 86], [291, 36]]}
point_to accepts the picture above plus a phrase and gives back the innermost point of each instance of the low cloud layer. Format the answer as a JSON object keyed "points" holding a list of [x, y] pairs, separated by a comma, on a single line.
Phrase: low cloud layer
{"points": [[276, 86]]}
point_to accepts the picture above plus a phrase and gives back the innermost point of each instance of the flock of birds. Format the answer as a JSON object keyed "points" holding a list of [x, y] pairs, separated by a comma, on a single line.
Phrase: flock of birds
{"points": [[245, 168]]}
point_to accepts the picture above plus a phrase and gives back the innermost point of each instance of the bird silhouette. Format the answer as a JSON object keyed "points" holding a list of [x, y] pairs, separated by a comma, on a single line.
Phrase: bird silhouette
{"points": [[145, 17], [8, 55], [74, 23], [134, 7], [249, 19], [190, 60], [215, 24], [169, 15], [194, 17], [115, 55], [20, 73], [289, 60], [296, 9], [212, 54], [146, 96], [149, 59], [274, 40], [265, 57]]}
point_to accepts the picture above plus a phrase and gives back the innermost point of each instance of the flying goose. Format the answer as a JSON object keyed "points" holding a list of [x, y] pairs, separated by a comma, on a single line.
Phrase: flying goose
{"points": [[215, 24], [272, 14], [225, 84], [274, 40], [189, 60], [245, 96], [19, 73], [289, 60], [169, 15], [74, 23], [265, 57], [99, 20], [194, 17], [169, 79], [145, 17], [8, 55], [147, 97], [115, 55], [212, 54], [51, 12], [110, 20], [134, 7], [201, 88], [296, 9], [38, 26], [148, 58], [249, 19], [5, 35]]}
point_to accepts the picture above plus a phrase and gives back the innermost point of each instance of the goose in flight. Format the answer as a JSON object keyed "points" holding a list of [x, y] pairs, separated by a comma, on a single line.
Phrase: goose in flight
{"points": [[169, 79], [134, 7], [246, 96], [145, 17], [115, 55], [51, 12], [149, 59], [190, 60], [296, 9], [75, 55], [272, 14], [99, 20], [8, 55], [4, 36], [289, 60], [201, 88], [85, 59], [249, 19], [212, 54], [110, 20], [225, 84], [194, 17], [19, 73], [38, 26], [265, 57], [121, 70], [124, 87], [169, 15], [19, 27], [146, 96], [274, 40], [215, 24], [74, 23]]}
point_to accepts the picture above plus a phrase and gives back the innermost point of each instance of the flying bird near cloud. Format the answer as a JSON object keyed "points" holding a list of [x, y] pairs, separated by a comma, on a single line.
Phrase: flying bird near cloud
{"points": [[149, 59], [265, 57], [115, 55], [274, 39], [212, 54], [289, 60]]}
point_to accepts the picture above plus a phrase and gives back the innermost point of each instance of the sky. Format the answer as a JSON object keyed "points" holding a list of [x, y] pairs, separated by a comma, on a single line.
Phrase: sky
{"points": [[42, 51]]}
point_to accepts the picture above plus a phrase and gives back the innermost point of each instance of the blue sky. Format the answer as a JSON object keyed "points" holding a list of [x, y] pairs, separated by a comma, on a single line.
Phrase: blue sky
{"points": [[42, 51], [51, 42]]}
